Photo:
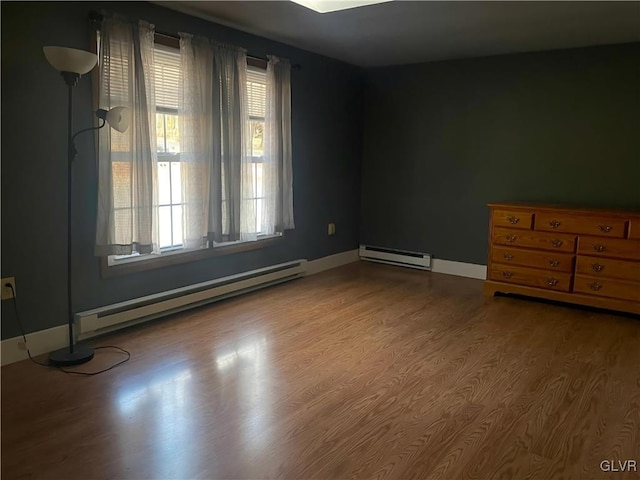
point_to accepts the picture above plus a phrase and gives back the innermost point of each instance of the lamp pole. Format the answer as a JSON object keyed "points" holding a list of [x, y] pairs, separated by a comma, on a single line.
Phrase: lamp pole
{"points": [[73, 63], [74, 354], [69, 237]]}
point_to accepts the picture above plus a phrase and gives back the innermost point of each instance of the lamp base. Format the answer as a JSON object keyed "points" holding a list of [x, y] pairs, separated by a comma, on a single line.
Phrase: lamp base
{"points": [[65, 358]]}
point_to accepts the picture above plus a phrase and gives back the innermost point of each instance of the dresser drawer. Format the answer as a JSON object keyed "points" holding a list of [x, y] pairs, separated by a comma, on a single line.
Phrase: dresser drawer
{"points": [[606, 287], [609, 247], [582, 224], [608, 268], [531, 277], [538, 240], [512, 219], [561, 262]]}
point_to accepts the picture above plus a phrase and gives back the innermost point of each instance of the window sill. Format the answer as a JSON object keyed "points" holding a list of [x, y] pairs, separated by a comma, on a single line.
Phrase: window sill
{"points": [[152, 262]]}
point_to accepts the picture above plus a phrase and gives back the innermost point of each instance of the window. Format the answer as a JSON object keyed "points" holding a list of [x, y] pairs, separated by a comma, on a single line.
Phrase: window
{"points": [[206, 163], [169, 181], [256, 93], [167, 79]]}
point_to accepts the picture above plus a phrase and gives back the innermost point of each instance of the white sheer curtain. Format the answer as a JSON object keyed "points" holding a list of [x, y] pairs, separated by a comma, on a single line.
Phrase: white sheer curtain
{"points": [[277, 213], [216, 170], [196, 137], [127, 188]]}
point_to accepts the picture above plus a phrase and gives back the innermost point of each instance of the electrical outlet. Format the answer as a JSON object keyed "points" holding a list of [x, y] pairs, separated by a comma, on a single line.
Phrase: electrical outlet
{"points": [[7, 293], [331, 229]]}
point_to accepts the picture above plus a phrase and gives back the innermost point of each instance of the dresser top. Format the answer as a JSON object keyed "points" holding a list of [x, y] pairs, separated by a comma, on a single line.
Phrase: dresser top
{"points": [[564, 209]]}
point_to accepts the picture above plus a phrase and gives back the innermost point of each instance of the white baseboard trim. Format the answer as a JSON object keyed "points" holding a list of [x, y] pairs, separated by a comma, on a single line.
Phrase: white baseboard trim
{"points": [[332, 261], [43, 341], [461, 269]]}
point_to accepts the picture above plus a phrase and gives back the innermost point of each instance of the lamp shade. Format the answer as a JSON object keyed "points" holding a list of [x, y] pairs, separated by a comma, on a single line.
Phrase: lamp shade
{"points": [[71, 60], [117, 117]]}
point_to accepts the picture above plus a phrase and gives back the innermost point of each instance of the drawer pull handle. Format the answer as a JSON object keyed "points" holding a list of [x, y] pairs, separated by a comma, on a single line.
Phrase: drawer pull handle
{"points": [[511, 238], [556, 243], [595, 286], [508, 256], [605, 228], [554, 223], [554, 263], [552, 282], [513, 219], [597, 267], [507, 274], [598, 247]]}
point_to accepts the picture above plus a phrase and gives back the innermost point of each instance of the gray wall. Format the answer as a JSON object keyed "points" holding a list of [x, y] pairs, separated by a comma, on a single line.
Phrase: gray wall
{"points": [[437, 142], [327, 109], [443, 139]]}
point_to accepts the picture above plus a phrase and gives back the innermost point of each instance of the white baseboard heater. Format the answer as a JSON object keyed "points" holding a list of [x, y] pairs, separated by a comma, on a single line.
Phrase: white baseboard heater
{"points": [[112, 317], [402, 258]]}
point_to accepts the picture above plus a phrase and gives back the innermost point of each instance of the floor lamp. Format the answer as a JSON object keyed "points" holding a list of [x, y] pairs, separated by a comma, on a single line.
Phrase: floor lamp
{"points": [[72, 64]]}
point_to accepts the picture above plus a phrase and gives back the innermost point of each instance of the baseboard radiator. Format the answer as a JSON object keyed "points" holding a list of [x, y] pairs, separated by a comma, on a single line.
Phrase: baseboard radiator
{"points": [[119, 315], [391, 256]]}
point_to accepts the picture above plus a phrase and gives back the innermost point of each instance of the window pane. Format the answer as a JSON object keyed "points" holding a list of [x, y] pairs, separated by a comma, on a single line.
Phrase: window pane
{"points": [[173, 140], [249, 180], [257, 138], [176, 183], [225, 223], [249, 212], [164, 183], [122, 219], [121, 172], [164, 221], [260, 186], [224, 189], [160, 132], [177, 225], [256, 91], [167, 76], [259, 215], [120, 140]]}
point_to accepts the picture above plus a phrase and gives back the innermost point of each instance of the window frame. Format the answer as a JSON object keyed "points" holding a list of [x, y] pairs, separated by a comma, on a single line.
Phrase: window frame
{"points": [[112, 267], [255, 160], [151, 261], [170, 159]]}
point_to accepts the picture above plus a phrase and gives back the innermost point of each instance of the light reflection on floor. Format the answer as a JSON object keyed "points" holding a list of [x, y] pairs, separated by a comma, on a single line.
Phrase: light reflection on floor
{"points": [[168, 405], [168, 389], [253, 351], [248, 361], [161, 407]]}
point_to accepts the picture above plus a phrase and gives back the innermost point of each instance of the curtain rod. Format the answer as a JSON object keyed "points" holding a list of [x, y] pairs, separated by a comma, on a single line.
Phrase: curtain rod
{"points": [[96, 18]]}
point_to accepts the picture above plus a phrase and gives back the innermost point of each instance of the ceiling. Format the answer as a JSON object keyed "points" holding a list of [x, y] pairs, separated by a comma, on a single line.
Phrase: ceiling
{"points": [[402, 32]]}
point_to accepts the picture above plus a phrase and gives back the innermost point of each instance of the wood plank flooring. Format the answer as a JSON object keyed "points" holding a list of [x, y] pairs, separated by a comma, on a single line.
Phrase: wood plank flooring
{"points": [[365, 371]]}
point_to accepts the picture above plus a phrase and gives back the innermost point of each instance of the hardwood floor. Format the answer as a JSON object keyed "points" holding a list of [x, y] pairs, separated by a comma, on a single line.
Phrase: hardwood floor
{"points": [[366, 371]]}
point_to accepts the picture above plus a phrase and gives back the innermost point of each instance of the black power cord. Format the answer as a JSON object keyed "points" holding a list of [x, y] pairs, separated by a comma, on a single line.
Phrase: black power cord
{"points": [[88, 374], [73, 372]]}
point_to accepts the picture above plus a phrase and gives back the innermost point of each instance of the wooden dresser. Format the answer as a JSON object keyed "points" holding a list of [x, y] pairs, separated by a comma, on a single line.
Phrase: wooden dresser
{"points": [[582, 256]]}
